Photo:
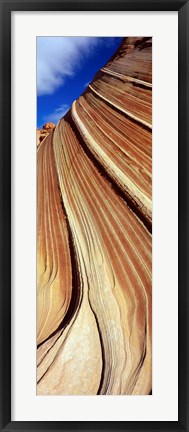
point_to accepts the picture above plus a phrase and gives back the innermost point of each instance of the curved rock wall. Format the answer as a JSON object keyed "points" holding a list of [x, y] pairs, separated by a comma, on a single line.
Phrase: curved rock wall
{"points": [[94, 235]]}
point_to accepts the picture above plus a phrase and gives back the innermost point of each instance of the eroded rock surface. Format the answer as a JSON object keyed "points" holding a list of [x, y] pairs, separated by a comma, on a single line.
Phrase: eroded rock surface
{"points": [[94, 235], [44, 132]]}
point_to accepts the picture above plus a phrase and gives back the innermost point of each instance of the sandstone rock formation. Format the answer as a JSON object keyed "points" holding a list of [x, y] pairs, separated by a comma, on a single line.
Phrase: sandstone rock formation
{"points": [[94, 236], [44, 132], [48, 126]]}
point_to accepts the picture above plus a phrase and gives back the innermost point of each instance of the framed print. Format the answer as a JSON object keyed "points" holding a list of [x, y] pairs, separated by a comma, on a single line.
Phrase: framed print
{"points": [[94, 215]]}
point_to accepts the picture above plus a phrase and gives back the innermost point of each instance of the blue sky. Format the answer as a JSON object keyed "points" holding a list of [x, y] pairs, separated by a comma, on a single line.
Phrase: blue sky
{"points": [[65, 66]]}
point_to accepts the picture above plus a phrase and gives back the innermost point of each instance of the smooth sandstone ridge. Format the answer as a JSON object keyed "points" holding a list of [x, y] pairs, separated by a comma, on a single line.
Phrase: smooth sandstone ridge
{"points": [[94, 258]]}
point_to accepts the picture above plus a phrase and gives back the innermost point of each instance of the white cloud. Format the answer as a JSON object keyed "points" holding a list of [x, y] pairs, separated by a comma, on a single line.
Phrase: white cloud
{"points": [[59, 57], [57, 114]]}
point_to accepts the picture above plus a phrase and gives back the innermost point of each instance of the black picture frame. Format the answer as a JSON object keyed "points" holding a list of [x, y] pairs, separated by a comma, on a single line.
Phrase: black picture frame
{"points": [[6, 6]]}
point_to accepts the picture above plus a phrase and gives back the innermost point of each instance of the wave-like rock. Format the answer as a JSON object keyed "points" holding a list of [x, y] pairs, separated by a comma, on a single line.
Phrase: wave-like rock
{"points": [[94, 236]]}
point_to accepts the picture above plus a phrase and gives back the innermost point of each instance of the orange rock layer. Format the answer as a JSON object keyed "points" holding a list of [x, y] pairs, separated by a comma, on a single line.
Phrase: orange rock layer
{"points": [[94, 236]]}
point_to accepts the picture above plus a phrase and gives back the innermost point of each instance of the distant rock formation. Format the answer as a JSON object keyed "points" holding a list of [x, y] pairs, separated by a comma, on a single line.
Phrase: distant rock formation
{"points": [[94, 262], [44, 132]]}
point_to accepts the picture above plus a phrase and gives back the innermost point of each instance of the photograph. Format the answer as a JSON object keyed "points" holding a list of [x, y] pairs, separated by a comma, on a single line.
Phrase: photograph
{"points": [[94, 216]]}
